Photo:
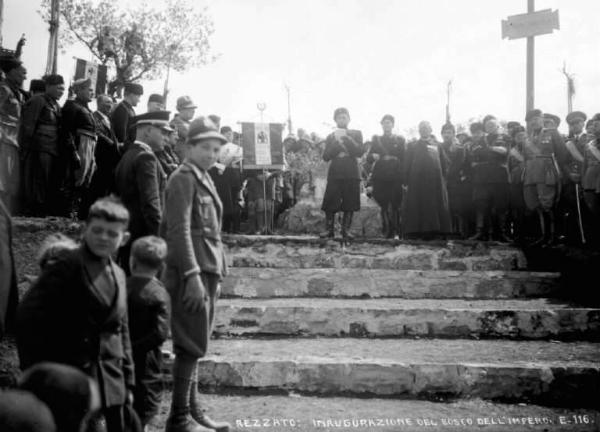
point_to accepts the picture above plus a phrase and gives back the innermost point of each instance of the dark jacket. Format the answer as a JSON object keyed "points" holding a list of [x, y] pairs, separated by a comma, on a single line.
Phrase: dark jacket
{"points": [[77, 119], [40, 126], [148, 306], [107, 156], [343, 156], [390, 165], [140, 182], [488, 165], [76, 314], [122, 122]]}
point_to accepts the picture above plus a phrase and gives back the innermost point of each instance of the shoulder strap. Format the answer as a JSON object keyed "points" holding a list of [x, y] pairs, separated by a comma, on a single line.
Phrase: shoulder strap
{"points": [[574, 151]]}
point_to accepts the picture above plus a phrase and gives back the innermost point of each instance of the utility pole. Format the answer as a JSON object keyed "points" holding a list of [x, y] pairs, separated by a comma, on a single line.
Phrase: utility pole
{"points": [[262, 106], [288, 90], [570, 87], [530, 63], [1, 19], [52, 64], [448, 90]]}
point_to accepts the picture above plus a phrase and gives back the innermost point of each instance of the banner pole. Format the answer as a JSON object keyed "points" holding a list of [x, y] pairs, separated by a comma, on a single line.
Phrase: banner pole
{"points": [[265, 197]]}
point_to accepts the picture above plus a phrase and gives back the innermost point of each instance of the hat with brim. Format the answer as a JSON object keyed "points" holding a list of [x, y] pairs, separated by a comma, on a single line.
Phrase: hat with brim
{"points": [[159, 119], [531, 114], [576, 116], [185, 102], [202, 129], [9, 62], [82, 83]]}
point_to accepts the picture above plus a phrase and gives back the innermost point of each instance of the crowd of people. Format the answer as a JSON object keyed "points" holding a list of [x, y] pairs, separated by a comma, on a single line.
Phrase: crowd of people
{"points": [[525, 183]]}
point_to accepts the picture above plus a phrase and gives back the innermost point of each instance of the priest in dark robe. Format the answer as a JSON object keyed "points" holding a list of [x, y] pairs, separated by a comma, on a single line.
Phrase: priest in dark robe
{"points": [[426, 213]]}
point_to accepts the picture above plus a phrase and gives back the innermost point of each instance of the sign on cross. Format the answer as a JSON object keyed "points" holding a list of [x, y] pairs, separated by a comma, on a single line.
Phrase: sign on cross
{"points": [[528, 25]]}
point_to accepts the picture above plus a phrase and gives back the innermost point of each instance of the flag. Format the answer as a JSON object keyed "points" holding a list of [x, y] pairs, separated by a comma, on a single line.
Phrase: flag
{"points": [[263, 145], [97, 73]]}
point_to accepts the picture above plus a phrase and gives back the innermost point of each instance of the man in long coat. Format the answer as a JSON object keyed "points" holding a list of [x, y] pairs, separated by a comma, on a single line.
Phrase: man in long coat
{"points": [[426, 212], [122, 117], [140, 180]]}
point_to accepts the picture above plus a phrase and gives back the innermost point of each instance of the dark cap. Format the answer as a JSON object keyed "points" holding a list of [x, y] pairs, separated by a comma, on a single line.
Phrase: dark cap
{"points": [[204, 128], [575, 116], [512, 124], [82, 83], [133, 88], [476, 127], [37, 85], [448, 126], [155, 97], [52, 80], [21, 411], [533, 113], [553, 117], [596, 117], [185, 102], [388, 117], [155, 118], [339, 111], [488, 118], [215, 119], [9, 62], [225, 129]]}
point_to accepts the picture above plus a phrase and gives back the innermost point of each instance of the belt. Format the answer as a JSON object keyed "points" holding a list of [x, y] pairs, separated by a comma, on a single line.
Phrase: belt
{"points": [[47, 128]]}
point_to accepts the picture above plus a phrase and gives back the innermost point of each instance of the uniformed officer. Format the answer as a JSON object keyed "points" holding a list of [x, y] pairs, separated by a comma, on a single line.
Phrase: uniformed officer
{"points": [[41, 152], [156, 102], [543, 152], [387, 156], [123, 114], [591, 175], [516, 167], [571, 210], [12, 99], [140, 180], [181, 123], [489, 166], [551, 121], [80, 132], [342, 192]]}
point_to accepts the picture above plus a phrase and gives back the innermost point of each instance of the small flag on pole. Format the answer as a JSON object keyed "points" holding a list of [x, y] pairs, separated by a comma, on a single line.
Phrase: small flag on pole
{"points": [[96, 72], [263, 145]]}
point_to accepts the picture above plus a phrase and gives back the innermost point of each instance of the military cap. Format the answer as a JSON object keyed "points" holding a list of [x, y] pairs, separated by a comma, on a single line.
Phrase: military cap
{"points": [[533, 113], [185, 102], [512, 124], [204, 128], [518, 129], [476, 127], [156, 118], [554, 118], [215, 119], [52, 80], [155, 97], [388, 117], [596, 117], [462, 135], [225, 129], [339, 111], [37, 85], [448, 126], [134, 88], [9, 62], [576, 116], [82, 83], [488, 118]]}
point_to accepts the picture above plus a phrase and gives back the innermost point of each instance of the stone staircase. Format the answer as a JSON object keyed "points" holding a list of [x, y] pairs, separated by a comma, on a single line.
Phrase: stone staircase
{"points": [[390, 319]]}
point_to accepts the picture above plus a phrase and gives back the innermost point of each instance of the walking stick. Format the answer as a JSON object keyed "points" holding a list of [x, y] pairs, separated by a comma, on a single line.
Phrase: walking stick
{"points": [[579, 220]]}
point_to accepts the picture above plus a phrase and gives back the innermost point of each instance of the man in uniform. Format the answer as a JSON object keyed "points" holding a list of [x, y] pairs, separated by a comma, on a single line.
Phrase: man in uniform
{"points": [[543, 152], [516, 167], [140, 181], [43, 156], [107, 152], [489, 165], [156, 103], [342, 192], [11, 102], [591, 178], [387, 158], [123, 114], [181, 123], [572, 193], [79, 129], [551, 121]]}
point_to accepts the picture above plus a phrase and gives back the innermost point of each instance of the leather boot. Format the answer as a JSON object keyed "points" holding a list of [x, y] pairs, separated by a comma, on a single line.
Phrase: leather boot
{"points": [[384, 222], [201, 418], [183, 422], [542, 239], [346, 224], [480, 234], [329, 226], [503, 235]]}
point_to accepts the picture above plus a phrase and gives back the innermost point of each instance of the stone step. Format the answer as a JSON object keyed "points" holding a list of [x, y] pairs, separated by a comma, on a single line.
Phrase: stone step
{"points": [[400, 318], [562, 374], [311, 252], [248, 282], [312, 414]]}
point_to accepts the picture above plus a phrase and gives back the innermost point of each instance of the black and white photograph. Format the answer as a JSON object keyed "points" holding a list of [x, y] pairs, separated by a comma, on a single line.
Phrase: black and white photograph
{"points": [[299, 215]]}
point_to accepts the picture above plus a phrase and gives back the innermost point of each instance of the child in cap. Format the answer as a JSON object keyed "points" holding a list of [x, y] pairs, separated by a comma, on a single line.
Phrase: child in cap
{"points": [[148, 306]]}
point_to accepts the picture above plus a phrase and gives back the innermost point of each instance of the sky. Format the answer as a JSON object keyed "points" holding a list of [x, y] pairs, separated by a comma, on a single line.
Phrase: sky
{"points": [[372, 56]]}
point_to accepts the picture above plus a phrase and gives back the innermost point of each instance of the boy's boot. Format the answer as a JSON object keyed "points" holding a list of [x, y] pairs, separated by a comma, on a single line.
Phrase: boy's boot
{"points": [[329, 226]]}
